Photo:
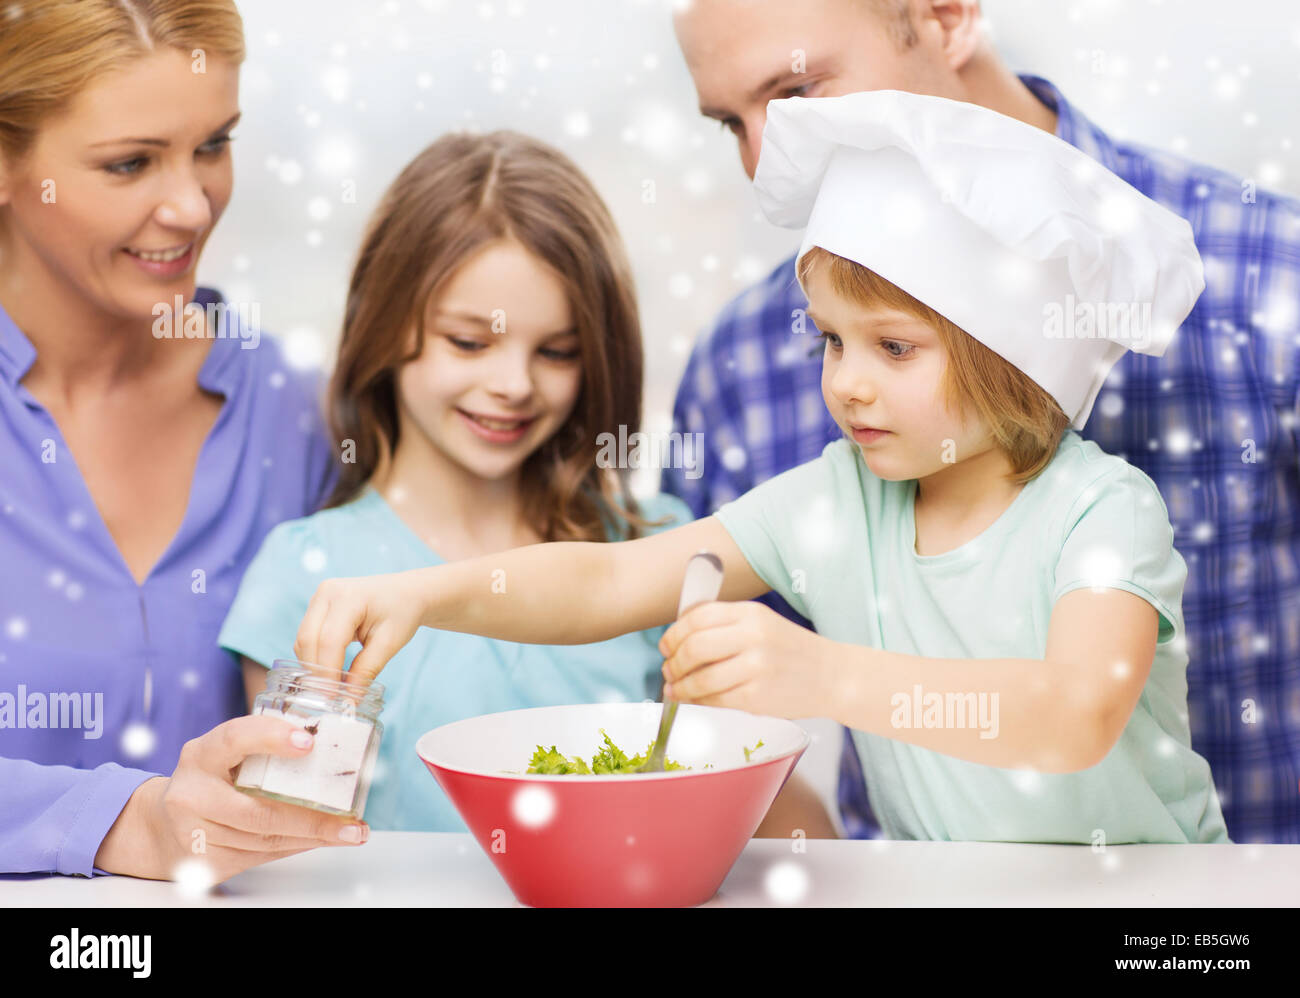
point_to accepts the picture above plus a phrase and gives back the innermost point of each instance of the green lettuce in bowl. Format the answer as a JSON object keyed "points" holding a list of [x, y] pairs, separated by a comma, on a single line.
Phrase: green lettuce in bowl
{"points": [[608, 761]]}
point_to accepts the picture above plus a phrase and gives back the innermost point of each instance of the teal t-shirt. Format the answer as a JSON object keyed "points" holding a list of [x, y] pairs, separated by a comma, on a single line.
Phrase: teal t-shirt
{"points": [[440, 676], [839, 544]]}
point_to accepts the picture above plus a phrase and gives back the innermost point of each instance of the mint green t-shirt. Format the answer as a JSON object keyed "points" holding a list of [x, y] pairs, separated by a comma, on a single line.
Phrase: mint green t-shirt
{"points": [[839, 544], [440, 676]]}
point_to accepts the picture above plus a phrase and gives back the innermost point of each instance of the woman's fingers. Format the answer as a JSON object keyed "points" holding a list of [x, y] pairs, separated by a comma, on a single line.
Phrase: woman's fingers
{"points": [[271, 818], [221, 834], [203, 785], [227, 745]]}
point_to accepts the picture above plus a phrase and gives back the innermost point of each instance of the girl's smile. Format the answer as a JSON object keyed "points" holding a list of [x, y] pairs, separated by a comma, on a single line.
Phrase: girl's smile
{"points": [[498, 431]]}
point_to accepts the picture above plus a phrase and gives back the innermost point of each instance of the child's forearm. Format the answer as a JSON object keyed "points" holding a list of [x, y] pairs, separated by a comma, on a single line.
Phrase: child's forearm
{"points": [[1006, 712], [559, 593]]}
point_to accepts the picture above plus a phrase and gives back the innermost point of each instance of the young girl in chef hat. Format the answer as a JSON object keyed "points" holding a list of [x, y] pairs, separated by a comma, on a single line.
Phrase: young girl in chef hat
{"points": [[997, 601], [490, 337]]}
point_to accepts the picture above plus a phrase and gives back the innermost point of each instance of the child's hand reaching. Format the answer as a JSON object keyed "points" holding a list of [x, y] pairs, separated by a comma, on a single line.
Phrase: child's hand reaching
{"points": [[747, 656], [383, 612]]}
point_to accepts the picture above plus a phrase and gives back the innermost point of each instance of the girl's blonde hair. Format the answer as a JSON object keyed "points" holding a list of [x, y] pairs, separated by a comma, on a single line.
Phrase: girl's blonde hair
{"points": [[1026, 422], [50, 50], [459, 195]]}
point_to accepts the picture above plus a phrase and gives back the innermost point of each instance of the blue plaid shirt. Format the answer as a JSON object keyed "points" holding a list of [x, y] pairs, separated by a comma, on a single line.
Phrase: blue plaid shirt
{"points": [[1213, 422]]}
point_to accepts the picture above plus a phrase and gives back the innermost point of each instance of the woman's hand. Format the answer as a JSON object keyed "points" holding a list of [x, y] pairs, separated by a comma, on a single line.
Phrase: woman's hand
{"points": [[197, 814], [383, 612], [747, 656]]}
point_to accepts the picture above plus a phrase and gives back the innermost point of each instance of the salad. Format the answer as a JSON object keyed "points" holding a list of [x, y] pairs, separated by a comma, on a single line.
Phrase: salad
{"points": [[608, 760]]}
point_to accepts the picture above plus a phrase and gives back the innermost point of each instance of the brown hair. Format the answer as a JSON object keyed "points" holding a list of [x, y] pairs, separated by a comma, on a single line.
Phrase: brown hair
{"points": [[460, 194], [897, 18], [50, 50], [1026, 422]]}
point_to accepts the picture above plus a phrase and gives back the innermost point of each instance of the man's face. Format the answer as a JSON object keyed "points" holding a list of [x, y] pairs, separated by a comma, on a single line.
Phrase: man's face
{"points": [[744, 53]]}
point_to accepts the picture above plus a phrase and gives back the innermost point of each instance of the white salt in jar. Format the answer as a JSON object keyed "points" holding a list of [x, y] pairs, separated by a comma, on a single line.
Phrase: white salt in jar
{"points": [[344, 720]]}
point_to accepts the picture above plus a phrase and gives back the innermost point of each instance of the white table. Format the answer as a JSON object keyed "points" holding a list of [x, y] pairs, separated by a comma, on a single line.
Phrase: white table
{"points": [[419, 869]]}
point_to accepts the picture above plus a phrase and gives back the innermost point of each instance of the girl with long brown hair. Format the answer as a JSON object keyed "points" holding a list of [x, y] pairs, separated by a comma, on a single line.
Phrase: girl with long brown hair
{"points": [[490, 340]]}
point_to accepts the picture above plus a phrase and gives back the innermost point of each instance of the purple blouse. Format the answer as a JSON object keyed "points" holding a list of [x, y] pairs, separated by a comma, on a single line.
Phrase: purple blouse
{"points": [[102, 680]]}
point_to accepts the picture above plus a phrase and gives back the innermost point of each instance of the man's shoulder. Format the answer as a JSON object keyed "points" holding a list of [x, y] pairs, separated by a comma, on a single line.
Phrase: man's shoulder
{"points": [[1188, 186], [760, 310]]}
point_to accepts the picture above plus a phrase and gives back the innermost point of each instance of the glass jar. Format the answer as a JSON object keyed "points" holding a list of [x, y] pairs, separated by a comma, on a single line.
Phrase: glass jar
{"points": [[343, 718]]}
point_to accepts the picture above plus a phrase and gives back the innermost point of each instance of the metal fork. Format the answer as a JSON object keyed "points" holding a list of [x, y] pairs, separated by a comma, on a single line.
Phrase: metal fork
{"points": [[702, 584]]}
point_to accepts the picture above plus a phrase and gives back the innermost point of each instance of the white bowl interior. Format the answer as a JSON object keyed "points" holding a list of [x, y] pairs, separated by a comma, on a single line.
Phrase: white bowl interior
{"points": [[502, 744]]}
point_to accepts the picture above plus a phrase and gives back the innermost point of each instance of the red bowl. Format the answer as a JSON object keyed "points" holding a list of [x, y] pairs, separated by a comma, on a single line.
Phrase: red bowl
{"points": [[640, 840]]}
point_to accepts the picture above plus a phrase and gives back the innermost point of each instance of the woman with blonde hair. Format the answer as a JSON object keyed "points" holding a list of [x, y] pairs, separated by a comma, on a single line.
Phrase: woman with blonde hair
{"points": [[147, 450]]}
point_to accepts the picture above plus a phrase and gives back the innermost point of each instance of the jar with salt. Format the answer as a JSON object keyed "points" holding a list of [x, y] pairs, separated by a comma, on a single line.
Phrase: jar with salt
{"points": [[342, 716]]}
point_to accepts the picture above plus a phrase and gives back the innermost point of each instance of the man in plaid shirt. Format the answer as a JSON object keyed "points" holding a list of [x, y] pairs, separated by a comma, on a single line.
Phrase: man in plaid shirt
{"points": [[1213, 421]]}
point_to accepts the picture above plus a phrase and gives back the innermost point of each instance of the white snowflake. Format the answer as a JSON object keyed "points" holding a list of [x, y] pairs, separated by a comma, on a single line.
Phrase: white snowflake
{"points": [[1178, 441], [138, 740], [533, 806], [577, 124], [734, 458], [290, 172], [680, 285], [786, 882], [193, 878]]}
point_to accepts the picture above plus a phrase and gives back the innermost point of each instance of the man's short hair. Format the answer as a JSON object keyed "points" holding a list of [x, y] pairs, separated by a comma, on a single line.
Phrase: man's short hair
{"points": [[897, 18]]}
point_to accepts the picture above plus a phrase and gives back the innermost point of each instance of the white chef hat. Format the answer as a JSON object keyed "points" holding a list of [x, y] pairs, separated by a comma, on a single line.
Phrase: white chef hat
{"points": [[1026, 243]]}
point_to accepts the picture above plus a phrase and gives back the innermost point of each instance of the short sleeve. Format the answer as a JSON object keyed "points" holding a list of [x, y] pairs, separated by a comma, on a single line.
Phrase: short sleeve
{"points": [[1118, 536], [784, 528], [274, 594]]}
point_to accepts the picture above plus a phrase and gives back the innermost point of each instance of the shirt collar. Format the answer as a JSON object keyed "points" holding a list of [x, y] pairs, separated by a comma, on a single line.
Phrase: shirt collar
{"points": [[1072, 126], [219, 373]]}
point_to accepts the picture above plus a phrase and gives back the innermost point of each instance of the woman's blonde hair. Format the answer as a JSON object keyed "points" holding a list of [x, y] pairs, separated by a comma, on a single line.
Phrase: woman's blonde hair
{"points": [[1025, 421], [50, 50], [458, 196]]}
